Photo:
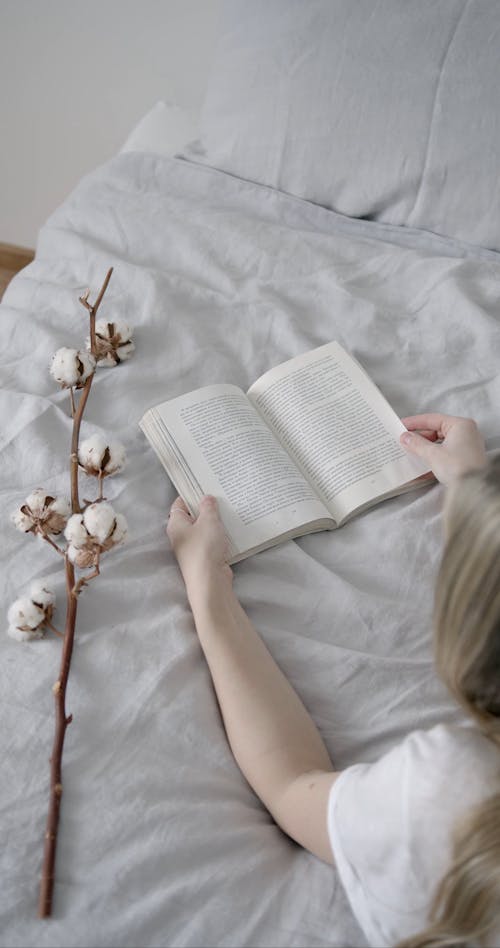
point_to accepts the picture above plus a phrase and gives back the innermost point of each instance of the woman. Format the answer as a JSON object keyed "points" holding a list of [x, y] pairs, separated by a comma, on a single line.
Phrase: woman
{"points": [[416, 835]]}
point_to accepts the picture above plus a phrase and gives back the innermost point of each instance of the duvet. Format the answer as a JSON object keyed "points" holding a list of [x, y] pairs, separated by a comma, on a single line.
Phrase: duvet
{"points": [[161, 840]]}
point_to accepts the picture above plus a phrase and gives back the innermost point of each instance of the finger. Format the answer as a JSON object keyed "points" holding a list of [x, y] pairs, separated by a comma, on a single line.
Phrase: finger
{"points": [[179, 506], [179, 515], [430, 435], [421, 447], [209, 507], [432, 421]]}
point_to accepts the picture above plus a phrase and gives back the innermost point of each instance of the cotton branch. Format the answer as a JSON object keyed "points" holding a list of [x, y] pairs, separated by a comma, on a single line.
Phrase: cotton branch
{"points": [[72, 590], [89, 533]]}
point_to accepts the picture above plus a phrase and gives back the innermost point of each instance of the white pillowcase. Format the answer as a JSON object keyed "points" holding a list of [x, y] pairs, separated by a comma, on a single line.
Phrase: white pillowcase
{"points": [[164, 130], [382, 110]]}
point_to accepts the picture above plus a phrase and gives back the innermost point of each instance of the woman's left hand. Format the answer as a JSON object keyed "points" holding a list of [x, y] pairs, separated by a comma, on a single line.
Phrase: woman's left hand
{"points": [[200, 545]]}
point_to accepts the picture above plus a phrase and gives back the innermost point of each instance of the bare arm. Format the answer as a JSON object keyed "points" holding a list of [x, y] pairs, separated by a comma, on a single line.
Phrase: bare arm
{"points": [[273, 738]]}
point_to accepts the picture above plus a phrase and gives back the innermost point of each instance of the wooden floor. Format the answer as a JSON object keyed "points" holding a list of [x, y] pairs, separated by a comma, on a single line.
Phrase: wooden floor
{"points": [[12, 259]]}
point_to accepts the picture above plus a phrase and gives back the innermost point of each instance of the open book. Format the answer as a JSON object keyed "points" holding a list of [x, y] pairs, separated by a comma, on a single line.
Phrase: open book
{"points": [[312, 443]]}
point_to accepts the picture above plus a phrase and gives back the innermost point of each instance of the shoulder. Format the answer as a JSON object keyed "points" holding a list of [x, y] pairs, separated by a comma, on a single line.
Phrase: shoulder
{"points": [[447, 767], [457, 759], [391, 822]]}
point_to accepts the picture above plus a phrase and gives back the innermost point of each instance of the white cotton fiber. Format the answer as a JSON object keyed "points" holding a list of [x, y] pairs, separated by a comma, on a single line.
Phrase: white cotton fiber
{"points": [[41, 594], [24, 612], [120, 531], [99, 520], [113, 342], [64, 367], [71, 367], [23, 635], [36, 501], [91, 455], [21, 520], [61, 506], [75, 531]]}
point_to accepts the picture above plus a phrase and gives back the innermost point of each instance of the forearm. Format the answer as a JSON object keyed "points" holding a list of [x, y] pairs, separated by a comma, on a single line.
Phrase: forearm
{"points": [[272, 736]]}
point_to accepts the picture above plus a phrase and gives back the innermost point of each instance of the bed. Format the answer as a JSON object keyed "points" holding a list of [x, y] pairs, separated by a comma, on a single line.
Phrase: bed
{"points": [[321, 200]]}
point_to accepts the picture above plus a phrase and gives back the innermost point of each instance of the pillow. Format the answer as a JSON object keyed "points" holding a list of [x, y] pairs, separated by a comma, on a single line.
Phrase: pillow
{"points": [[384, 110], [163, 130]]}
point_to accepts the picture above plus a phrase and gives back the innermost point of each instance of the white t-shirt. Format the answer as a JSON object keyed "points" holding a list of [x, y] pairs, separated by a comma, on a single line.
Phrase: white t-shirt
{"points": [[391, 824]]}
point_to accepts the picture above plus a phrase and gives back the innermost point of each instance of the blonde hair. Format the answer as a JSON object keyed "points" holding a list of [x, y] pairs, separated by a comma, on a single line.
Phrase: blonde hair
{"points": [[466, 906]]}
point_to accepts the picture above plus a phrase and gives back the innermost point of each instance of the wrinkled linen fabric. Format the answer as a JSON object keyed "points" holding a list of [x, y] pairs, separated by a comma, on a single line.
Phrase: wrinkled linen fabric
{"points": [[162, 842], [386, 111]]}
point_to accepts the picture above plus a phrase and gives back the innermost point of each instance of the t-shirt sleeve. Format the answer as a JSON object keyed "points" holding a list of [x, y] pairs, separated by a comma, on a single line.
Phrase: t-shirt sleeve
{"points": [[390, 825]]}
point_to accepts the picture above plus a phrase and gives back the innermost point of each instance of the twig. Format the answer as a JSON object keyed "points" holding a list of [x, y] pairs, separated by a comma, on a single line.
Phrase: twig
{"points": [[53, 629], [75, 503], [84, 300], [62, 721], [85, 579], [54, 545]]}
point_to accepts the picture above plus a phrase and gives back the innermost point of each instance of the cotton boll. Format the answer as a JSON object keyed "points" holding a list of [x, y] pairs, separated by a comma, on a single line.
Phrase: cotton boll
{"points": [[71, 367], [64, 368], [56, 514], [91, 451], [120, 328], [117, 458], [99, 519], [124, 352], [119, 534], [36, 501], [95, 531], [42, 513], [97, 457], [24, 635], [28, 615], [75, 530], [113, 342], [117, 331], [61, 506], [88, 363], [25, 615], [22, 521], [82, 557], [41, 594]]}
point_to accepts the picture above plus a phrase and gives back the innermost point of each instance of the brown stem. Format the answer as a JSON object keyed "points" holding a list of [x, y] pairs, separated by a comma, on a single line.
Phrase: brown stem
{"points": [[62, 721], [54, 545], [75, 502], [53, 629], [84, 580], [92, 308], [102, 290], [71, 395]]}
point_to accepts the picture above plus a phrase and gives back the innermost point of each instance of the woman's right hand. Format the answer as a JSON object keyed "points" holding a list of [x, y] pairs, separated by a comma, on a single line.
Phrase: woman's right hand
{"points": [[460, 449]]}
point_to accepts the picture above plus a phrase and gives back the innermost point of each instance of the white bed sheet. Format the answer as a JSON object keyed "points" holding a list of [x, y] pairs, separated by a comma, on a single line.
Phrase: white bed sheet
{"points": [[162, 842]]}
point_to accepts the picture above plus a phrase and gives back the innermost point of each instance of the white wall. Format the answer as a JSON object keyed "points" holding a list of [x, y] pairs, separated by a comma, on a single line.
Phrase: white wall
{"points": [[75, 76]]}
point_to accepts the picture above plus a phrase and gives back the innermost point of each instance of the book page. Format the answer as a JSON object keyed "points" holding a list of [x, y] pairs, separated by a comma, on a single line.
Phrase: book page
{"points": [[217, 433], [337, 425]]}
